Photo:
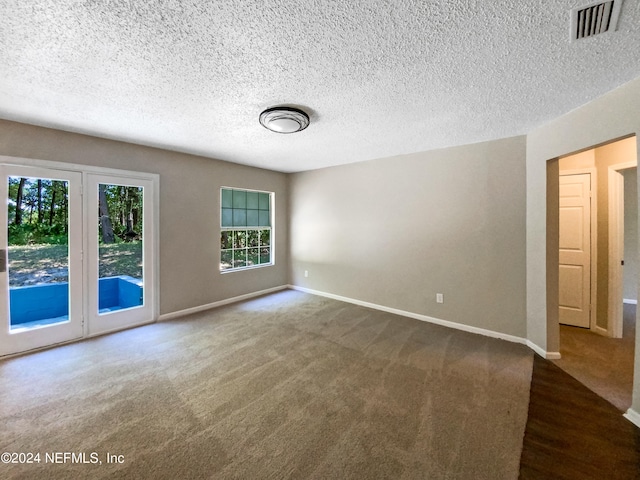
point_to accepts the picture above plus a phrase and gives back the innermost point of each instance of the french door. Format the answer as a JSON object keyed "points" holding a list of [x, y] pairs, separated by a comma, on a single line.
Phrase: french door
{"points": [[119, 260], [76, 255]]}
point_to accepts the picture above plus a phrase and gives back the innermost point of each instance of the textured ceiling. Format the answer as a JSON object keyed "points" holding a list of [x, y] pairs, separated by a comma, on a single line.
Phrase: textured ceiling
{"points": [[378, 78]]}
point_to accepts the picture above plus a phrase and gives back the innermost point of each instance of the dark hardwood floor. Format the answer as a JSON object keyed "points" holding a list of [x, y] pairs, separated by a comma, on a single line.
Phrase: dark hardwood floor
{"points": [[572, 433]]}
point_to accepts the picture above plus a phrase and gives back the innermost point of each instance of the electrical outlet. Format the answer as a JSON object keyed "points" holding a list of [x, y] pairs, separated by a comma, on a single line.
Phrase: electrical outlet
{"points": [[306, 273], [439, 298]]}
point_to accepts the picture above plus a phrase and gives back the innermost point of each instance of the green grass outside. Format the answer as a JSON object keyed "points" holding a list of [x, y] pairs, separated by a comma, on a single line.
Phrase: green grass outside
{"points": [[29, 262]]}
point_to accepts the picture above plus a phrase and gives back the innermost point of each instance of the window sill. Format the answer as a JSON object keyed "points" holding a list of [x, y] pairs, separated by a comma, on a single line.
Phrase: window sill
{"points": [[242, 269]]}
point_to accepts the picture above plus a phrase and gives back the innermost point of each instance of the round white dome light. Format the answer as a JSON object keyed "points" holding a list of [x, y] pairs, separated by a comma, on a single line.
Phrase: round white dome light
{"points": [[284, 119]]}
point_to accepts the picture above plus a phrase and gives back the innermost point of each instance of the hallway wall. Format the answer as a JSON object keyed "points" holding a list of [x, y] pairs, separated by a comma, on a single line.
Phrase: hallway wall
{"points": [[630, 289]]}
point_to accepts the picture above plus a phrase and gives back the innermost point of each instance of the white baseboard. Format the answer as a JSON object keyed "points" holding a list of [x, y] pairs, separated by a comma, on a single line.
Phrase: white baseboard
{"points": [[633, 417], [417, 316], [600, 331], [630, 301], [227, 301], [543, 353]]}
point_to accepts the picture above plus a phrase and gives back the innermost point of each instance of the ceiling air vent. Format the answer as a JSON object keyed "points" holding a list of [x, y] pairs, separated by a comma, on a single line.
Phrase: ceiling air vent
{"points": [[595, 19]]}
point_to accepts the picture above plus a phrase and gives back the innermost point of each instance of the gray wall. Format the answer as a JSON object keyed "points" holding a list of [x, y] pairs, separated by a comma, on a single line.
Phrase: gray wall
{"points": [[612, 116], [398, 230], [630, 234], [189, 209]]}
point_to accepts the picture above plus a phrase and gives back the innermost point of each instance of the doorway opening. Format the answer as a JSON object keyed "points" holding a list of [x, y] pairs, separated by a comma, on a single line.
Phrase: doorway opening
{"points": [[598, 267]]}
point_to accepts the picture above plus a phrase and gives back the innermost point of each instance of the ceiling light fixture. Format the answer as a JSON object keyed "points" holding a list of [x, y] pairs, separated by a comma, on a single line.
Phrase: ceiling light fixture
{"points": [[284, 119]]}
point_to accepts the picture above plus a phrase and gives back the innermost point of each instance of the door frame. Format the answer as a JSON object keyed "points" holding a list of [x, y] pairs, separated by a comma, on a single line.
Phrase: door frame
{"points": [[616, 247], [594, 237], [154, 178], [53, 333]]}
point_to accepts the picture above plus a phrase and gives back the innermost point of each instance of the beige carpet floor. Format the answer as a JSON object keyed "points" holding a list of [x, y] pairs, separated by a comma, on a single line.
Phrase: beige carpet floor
{"points": [[284, 386], [604, 365]]}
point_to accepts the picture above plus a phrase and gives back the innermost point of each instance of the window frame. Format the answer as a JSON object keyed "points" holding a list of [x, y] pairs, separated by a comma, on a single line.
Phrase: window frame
{"points": [[270, 228]]}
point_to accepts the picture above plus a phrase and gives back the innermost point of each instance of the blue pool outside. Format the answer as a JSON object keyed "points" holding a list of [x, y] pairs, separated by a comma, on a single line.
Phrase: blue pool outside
{"points": [[46, 304]]}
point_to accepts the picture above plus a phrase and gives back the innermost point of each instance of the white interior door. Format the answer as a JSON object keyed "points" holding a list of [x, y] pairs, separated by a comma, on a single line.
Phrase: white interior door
{"points": [[40, 257], [120, 251], [575, 250]]}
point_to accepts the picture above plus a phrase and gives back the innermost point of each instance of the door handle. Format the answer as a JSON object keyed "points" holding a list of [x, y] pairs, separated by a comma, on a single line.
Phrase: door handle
{"points": [[3, 260]]}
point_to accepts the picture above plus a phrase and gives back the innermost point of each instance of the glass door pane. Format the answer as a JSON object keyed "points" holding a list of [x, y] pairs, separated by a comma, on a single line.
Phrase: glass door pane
{"points": [[120, 246], [38, 252]]}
